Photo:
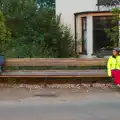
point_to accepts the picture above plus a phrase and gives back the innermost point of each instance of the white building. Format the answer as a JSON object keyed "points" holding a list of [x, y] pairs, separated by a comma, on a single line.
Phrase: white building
{"points": [[69, 7], [81, 17]]}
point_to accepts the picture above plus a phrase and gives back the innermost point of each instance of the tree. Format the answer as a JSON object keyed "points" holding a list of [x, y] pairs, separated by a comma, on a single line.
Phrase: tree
{"points": [[4, 34], [46, 4], [114, 32], [36, 30]]}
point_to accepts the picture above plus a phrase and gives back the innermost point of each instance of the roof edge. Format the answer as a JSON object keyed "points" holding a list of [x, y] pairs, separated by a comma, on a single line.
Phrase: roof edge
{"points": [[88, 12]]}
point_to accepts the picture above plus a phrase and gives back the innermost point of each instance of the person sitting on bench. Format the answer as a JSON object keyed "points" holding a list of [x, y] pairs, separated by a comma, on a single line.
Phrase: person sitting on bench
{"points": [[113, 66]]}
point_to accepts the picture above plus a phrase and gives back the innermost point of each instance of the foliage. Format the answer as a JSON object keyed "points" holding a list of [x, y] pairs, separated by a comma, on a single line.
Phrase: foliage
{"points": [[113, 33], [36, 30], [46, 3], [4, 34]]}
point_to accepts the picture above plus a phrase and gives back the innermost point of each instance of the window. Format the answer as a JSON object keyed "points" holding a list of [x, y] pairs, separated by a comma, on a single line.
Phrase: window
{"points": [[84, 33], [100, 38]]}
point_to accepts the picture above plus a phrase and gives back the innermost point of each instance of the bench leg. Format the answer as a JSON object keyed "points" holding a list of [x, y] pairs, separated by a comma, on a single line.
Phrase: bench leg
{"points": [[45, 82], [1, 69], [92, 83]]}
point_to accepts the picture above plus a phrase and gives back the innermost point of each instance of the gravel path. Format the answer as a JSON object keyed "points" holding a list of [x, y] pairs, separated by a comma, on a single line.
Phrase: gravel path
{"points": [[75, 86], [18, 91]]}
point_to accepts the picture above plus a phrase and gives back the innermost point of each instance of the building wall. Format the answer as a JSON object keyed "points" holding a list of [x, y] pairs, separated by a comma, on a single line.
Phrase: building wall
{"points": [[89, 35], [68, 7]]}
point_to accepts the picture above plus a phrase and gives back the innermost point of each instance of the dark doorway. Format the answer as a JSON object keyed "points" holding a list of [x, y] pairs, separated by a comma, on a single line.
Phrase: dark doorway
{"points": [[84, 33], [100, 38]]}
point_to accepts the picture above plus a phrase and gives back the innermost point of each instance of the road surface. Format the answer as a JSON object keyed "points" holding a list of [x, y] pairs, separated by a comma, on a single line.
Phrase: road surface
{"points": [[55, 104]]}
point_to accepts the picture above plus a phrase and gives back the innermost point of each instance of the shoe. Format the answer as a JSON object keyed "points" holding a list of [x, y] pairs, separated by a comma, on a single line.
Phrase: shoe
{"points": [[118, 85]]}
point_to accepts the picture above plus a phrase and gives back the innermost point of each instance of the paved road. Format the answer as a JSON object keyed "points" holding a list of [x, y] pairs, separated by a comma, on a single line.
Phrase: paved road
{"points": [[87, 106]]}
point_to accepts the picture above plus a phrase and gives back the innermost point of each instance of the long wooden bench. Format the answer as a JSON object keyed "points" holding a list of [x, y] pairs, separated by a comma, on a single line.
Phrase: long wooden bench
{"points": [[43, 62]]}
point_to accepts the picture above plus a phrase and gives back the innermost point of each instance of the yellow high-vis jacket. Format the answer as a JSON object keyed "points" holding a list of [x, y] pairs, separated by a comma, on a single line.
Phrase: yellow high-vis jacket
{"points": [[113, 63]]}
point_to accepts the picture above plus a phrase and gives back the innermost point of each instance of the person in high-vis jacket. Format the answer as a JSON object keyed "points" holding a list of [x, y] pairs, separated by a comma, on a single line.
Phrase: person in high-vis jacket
{"points": [[113, 66]]}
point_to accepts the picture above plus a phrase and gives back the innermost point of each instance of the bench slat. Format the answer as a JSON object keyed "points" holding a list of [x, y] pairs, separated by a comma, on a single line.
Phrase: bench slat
{"points": [[55, 62], [68, 73]]}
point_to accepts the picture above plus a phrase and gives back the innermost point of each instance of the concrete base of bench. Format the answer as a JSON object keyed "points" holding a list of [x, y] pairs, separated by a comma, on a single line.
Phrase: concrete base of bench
{"points": [[54, 74]]}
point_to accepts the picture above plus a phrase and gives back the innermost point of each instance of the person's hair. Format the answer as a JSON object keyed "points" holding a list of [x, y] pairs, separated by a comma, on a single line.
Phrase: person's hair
{"points": [[117, 50]]}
